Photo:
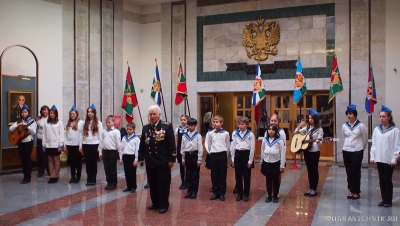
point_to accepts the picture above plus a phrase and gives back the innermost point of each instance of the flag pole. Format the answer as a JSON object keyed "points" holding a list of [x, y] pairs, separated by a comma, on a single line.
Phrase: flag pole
{"points": [[162, 95], [140, 114]]}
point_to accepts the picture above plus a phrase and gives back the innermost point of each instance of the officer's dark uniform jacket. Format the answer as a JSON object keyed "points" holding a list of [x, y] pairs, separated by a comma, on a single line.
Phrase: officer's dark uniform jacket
{"points": [[157, 145]]}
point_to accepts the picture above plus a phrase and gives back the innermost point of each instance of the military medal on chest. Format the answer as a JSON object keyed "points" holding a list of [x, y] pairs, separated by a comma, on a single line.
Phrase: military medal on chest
{"points": [[159, 134]]}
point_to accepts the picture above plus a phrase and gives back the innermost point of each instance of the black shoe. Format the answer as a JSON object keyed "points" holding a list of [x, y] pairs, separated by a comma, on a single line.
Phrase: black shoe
{"points": [[349, 197], [354, 197], [275, 199], [107, 187], [112, 187], [239, 198], [132, 190], [188, 195], [40, 174], [90, 183], [312, 193], [269, 199], [307, 193], [222, 197], [181, 187], [381, 204], [76, 181], [163, 210], [71, 181], [152, 207], [126, 190], [387, 205], [51, 181], [214, 197], [55, 180], [147, 186], [193, 196], [246, 198], [235, 191], [25, 181]]}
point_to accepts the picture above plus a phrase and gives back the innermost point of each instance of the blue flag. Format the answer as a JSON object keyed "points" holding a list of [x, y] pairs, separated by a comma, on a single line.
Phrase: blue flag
{"points": [[300, 85]]}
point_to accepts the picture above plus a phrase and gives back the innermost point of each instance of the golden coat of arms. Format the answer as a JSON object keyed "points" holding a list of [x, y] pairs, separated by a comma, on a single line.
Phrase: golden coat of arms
{"points": [[261, 38]]}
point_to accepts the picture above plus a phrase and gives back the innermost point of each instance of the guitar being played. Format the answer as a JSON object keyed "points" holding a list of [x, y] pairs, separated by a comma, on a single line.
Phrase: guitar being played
{"points": [[22, 129]]}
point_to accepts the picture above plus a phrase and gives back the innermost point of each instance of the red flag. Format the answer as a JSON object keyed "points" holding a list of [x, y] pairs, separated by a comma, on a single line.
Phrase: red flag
{"points": [[181, 89], [129, 100]]}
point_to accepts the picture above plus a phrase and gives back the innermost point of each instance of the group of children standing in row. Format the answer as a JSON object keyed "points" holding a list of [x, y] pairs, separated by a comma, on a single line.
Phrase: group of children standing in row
{"points": [[218, 145]]}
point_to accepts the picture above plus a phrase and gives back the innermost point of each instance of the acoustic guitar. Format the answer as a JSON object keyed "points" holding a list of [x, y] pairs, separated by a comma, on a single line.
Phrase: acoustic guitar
{"points": [[19, 133], [302, 143]]}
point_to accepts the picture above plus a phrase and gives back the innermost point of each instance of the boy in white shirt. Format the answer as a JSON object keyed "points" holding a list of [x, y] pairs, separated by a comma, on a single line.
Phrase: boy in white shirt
{"points": [[242, 154], [218, 147], [110, 144], [129, 156], [192, 151]]}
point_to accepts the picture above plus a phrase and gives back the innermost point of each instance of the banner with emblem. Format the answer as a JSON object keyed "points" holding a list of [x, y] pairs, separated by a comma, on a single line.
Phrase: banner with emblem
{"points": [[336, 81], [181, 89], [300, 85], [129, 100], [370, 99], [155, 93], [259, 91]]}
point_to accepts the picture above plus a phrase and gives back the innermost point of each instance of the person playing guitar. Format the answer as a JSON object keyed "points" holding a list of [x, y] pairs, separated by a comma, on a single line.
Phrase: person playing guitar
{"points": [[311, 157], [25, 144]]}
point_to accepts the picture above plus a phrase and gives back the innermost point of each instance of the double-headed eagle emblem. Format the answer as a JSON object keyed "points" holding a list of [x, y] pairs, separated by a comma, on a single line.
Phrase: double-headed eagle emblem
{"points": [[261, 38]]}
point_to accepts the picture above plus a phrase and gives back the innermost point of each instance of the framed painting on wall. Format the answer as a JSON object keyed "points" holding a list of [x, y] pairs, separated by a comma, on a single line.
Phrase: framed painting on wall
{"points": [[16, 99]]}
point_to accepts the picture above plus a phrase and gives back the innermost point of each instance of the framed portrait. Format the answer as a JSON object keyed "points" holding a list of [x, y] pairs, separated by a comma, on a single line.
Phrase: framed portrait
{"points": [[17, 98]]}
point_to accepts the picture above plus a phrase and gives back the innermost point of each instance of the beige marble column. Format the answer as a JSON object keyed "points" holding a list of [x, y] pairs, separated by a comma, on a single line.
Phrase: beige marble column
{"points": [[166, 57], [191, 56], [95, 54], [119, 74], [68, 56]]}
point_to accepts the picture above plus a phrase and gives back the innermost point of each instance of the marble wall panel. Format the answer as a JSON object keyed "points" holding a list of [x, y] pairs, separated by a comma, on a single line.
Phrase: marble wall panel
{"points": [[306, 22], [82, 55], [107, 61], [95, 53]]}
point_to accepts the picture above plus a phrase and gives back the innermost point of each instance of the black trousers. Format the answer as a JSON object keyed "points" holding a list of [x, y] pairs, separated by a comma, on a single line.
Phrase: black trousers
{"points": [[110, 158], [91, 155], [242, 172], [352, 163], [25, 152], [192, 171], [75, 161], [273, 179], [130, 171], [385, 172], [41, 159], [160, 182], [181, 168], [312, 160], [219, 165]]}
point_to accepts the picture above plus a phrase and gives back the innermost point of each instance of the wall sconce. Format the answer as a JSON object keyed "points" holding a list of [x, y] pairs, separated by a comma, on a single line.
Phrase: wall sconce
{"points": [[22, 77]]}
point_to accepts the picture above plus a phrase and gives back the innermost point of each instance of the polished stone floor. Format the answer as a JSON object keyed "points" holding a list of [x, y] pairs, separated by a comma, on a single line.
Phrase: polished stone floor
{"points": [[39, 203]]}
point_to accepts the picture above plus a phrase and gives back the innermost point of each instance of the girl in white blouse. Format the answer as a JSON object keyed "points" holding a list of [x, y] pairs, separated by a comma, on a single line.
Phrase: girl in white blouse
{"points": [[182, 129], [311, 157], [89, 139], [41, 157], [273, 154], [72, 145], [53, 141], [26, 144], [385, 152], [355, 137]]}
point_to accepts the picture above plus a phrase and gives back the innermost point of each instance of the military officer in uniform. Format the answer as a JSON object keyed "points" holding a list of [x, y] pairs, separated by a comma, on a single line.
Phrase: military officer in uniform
{"points": [[15, 109], [157, 149]]}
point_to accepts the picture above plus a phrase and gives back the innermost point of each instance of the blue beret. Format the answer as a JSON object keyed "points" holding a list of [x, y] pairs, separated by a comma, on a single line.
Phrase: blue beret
{"points": [[93, 107], [53, 107], [384, 108], [313, 112], [73, 108], [351, 107], [25, 107]]}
